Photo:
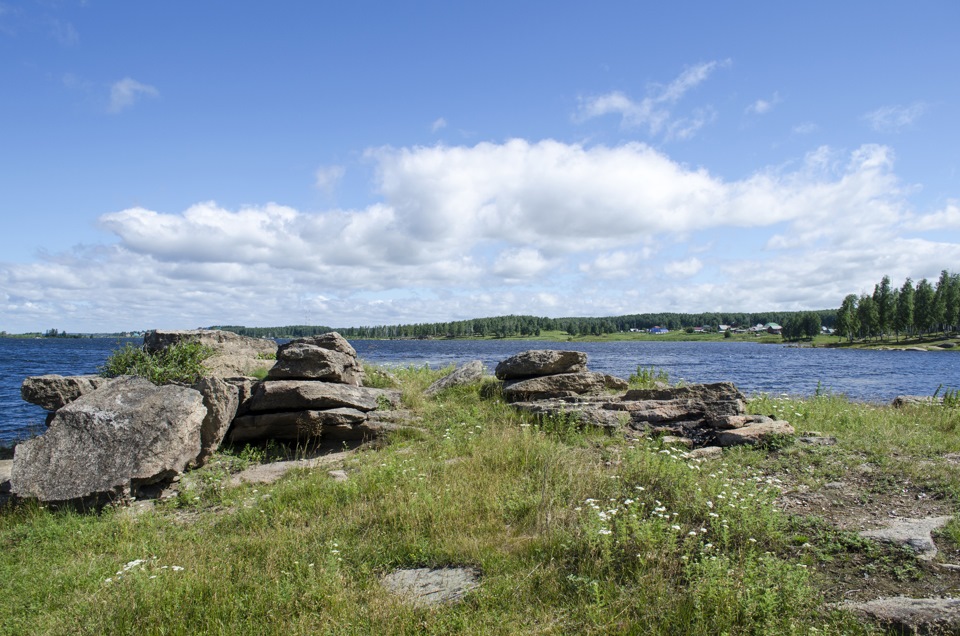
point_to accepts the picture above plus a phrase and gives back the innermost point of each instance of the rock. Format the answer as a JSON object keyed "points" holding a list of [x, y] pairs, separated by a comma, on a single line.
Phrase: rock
{"points": [[269, 473], [465, 374], [6, 466], [52, 392], [584, 413], [915, 533], [332, 341], [817, 440], [108, 443], [338, 475], [233, 354], [305, 395], [753, 433], [302, 360], [541, 362], [716, 392], [912, 400], [554, 386], [705, 452], [738, 421], [425, 586], [673, 440], [614, 383], [294, 426], [246, 386], [910, 615], [221, 400]]}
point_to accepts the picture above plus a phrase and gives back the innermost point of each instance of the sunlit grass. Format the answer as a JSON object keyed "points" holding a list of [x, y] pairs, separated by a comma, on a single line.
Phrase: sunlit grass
{"points": [[574, 531]]}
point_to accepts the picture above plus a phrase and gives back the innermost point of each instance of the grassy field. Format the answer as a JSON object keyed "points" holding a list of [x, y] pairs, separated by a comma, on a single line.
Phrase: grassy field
{"points": [[574, 532]]}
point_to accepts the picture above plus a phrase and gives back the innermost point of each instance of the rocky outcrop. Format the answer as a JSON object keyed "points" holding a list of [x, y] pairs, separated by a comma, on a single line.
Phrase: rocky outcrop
{"points": [[324, 400], [234, 355], [697, 414], [536, 363], [52, 392], [554, 386], [464, 374], [903, 615], [914, 400], [327, 358], [301, 395], [109, 443]]}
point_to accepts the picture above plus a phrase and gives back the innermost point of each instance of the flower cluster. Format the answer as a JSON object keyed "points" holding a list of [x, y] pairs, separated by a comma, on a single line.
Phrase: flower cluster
{"points": [[141, 565]]}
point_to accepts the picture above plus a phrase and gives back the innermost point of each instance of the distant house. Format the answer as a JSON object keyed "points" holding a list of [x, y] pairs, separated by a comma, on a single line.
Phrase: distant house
{"points": [[772, 327], [723, 328], [658, 330]]}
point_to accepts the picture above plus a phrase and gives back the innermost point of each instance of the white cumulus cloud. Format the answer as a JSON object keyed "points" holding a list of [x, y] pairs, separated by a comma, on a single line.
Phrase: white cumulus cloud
{"points": [[541, 227], [126, 92]]}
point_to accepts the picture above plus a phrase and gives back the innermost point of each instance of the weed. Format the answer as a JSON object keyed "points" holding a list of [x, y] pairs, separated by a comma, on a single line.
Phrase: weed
{"points": [[648, 377], [181, 362]]}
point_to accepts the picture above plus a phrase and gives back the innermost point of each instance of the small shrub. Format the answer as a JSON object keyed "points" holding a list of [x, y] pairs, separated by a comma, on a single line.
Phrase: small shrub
{"points": [[648, 377], [182, 362]]}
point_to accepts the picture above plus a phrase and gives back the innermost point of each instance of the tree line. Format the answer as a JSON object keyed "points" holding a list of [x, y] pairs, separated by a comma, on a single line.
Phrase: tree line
{"points": [[912, 309], [507, 326]]}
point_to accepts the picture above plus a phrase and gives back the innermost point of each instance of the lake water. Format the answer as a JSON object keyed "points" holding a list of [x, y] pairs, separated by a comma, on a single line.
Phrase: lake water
{"points": [[861, 375]]}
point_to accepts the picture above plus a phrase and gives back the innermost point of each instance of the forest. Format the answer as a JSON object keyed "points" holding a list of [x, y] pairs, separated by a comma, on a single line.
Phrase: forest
{"points": [[513, 326], [910, 310]]}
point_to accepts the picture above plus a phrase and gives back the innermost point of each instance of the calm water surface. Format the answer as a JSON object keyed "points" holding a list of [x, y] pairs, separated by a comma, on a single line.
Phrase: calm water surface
{"points": [[755, 368]]}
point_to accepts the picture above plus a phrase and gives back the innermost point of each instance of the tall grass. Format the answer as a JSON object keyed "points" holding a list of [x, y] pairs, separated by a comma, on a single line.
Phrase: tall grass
{"points": [[574, 532]]}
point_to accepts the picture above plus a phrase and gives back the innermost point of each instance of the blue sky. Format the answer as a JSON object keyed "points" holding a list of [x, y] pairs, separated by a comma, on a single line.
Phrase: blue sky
{"points": [[182, 164]]}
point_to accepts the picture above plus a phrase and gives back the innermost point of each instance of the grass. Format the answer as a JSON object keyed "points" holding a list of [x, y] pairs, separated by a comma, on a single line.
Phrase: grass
{"points": [[180, 362], [574, 532]]}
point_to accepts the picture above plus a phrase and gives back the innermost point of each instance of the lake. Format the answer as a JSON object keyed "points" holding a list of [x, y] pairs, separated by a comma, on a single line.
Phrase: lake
{"points": [[861, 375]]}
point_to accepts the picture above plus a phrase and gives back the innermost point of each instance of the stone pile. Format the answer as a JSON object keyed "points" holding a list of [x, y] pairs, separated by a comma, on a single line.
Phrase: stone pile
{"points": [[548, 374], [109, 439], [557, 383], [315, 389]]}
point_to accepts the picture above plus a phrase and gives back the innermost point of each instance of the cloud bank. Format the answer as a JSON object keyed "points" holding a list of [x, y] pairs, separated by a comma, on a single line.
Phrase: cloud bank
{"points": [[543, 227]]}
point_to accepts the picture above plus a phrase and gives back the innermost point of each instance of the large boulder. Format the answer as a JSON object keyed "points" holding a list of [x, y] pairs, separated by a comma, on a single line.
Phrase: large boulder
{"points": [[55, 391], [295, 426], [109, 443], [465, 374], [234, 355], [554, 386], [306, 360], [221, 400], [540, 362], [305, 395]]}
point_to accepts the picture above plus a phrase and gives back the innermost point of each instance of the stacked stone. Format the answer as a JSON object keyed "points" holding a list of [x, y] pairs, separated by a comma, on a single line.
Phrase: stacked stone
{"points": [[315, 389], [549, 374], [551, 383]]}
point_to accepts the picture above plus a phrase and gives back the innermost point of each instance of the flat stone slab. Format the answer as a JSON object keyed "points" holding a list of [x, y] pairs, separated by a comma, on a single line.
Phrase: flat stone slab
{"points": [[269, 473], [910, 615], [914, 533], [426, 586], [753, 433]]}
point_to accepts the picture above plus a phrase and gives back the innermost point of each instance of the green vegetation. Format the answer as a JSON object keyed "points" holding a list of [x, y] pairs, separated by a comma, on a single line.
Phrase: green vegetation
{"points": [[182, 362], [915, 311], [534, 326], [574, 531]]}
